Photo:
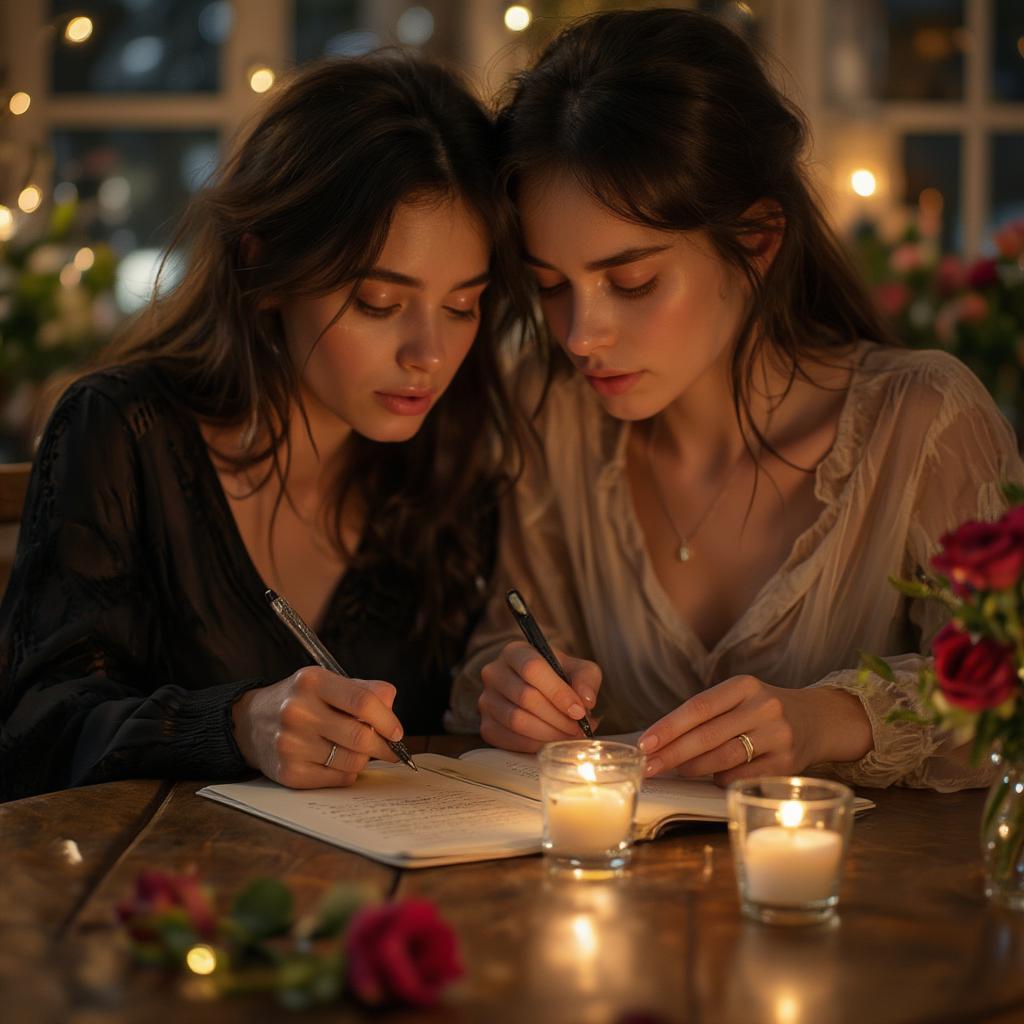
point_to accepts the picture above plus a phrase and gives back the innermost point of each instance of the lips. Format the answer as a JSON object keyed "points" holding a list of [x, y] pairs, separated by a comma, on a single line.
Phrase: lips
{"points": [[612, 382], [405, 403]]}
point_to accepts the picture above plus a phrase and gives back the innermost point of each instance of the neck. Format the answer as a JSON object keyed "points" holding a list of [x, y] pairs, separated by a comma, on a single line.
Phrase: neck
{"points": [[317, 439], [700, 427]]}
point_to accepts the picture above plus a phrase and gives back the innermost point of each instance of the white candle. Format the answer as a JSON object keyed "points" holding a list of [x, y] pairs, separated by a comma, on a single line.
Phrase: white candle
{"points": [[588, 820], [791, 866]]}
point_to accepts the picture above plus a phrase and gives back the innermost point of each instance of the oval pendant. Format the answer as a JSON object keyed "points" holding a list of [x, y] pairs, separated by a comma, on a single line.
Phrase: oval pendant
{"points": [[684, 553]]}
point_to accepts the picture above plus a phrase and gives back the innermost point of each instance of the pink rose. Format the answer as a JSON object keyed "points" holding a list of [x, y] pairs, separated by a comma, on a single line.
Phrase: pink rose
{"points": [[401, 953], [906, 257], [973, 308], [1010, 240], [949, 275], [892, 297], [156, 893], [982, 273], [984, 556], [972, 676]]}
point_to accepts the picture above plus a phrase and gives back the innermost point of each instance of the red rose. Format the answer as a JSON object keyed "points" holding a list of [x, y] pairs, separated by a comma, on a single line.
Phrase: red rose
{"points": [[893, 297], [401, 953], [982, 273], [972, 676], [984, 556], [156, 893]]}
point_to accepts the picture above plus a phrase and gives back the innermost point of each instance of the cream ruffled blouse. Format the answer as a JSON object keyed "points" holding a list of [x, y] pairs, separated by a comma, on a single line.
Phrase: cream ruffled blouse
{"points": [[920, 447]]}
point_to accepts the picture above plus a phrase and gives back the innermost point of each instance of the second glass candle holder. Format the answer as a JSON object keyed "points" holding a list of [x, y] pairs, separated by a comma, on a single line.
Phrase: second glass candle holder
{"points": [[589, 790]]}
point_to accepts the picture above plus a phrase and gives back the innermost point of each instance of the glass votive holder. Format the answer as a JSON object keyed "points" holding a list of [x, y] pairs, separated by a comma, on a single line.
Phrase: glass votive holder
{"points": [[789, 837], [589, 791]]}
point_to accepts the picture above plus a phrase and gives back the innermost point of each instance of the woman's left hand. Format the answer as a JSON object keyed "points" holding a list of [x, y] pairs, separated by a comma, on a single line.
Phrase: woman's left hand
{"points": [[787, 729]]}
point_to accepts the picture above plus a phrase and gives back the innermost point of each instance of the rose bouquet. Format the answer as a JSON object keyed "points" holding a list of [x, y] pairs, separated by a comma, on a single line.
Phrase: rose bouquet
{"points": [[389, 954], [976, 685]]}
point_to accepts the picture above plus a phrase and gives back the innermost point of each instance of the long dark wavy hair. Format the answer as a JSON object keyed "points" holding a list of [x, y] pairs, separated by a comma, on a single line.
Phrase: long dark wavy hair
{"points": [[668, 119], [316, 181]]}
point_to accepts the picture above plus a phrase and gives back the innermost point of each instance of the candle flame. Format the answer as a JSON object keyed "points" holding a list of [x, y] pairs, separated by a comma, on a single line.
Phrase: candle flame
{"points": [[791, 813]]}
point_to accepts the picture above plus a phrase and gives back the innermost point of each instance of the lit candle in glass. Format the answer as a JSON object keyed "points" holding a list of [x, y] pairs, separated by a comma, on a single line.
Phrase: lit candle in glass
{"points": [[589, 789], [788, 839]]}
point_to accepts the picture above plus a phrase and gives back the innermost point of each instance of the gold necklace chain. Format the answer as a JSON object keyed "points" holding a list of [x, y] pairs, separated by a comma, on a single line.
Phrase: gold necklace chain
{"points": [[685, 550]]}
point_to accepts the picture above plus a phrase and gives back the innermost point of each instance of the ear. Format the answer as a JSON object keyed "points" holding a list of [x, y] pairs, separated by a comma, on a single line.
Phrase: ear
{"points": [[252, 252], [768, 227]]}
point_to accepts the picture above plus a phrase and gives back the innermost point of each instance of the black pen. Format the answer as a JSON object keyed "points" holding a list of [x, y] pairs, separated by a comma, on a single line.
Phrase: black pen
{"points": [[323, 657], [535, 638]]}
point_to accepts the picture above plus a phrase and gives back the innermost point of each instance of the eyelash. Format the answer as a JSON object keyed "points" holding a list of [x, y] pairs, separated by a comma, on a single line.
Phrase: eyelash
{"points": [[381, 312], [639, 292]]}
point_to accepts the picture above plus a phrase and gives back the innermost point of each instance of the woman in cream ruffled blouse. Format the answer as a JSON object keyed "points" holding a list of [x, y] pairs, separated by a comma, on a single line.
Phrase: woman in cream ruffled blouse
{"points": [[712, 505]]}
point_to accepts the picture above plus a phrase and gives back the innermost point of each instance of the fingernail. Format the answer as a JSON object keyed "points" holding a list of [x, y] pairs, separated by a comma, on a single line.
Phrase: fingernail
{"points": [[588, 697], [576, 711], [648, 743], [653, 766], [397, 734]]}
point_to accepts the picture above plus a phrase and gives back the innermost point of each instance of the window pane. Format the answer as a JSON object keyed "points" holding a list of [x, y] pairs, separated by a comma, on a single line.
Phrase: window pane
{"points": [[330, 27], [1007, 181], [132, 187], [147, 46], [1008, 51], [933, 162], [895, 50]]}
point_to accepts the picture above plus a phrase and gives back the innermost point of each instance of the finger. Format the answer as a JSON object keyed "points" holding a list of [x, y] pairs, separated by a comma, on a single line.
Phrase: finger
{"points": [[501, 679], [299, 775], [521, 722], [354, 736], [366, 702], [586, 677], [719, 734], [497, 735], [530, 666], [698, 709], [730, 754], [767, 765]]}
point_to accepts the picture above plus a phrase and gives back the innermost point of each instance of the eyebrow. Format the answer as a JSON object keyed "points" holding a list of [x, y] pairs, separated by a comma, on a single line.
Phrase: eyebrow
{"points": [[618, 260], [394, 277]]}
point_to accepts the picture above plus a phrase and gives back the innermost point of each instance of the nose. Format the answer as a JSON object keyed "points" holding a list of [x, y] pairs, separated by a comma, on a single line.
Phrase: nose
{"points": [[423, 350], [588, 328]]}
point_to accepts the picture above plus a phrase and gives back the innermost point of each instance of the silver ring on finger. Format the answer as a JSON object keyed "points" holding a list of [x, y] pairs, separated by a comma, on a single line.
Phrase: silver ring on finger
{"points": [[748, 746], [330, 756]]}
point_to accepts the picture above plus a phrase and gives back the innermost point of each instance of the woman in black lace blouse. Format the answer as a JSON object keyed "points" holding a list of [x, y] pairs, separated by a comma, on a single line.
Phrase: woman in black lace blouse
{"points": [[265, 424]]}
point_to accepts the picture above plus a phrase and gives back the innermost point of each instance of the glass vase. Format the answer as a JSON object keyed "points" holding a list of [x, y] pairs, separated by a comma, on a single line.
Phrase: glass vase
{"points": [[1002, 835]]}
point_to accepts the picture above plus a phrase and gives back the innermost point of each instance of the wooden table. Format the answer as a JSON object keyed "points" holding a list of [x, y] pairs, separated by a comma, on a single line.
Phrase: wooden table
{"points": [[916, 939]]}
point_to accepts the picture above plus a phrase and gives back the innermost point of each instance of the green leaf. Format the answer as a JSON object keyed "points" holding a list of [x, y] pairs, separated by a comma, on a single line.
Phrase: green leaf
{"points": [[879, 666], [263, 908], [1014, 493], [912, 588], [334, 912]]}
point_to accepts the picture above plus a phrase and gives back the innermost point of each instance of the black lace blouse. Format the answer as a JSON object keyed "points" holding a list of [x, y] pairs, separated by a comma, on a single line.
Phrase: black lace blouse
{"points": [[134, 617]]}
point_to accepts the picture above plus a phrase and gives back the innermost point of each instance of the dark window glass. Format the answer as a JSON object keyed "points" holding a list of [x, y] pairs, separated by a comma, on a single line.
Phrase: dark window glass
{"points": [[1007, 181], [907, 50], [141, 46], [933, 162], [1008, 50]]}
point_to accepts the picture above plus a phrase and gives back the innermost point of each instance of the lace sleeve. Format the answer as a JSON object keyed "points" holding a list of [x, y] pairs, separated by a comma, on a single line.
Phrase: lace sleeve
{"points": [[968, 454], [83, 694]]}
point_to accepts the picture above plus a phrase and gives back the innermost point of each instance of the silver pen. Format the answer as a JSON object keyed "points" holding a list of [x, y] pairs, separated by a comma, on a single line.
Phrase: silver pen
{"points": [[323, 657]]}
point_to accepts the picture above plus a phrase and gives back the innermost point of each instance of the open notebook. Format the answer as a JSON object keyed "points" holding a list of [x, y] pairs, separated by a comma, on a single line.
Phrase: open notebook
{"points": [[482, 806]]}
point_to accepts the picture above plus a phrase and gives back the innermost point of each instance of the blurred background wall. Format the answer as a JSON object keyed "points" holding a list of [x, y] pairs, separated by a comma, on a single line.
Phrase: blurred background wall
{"points": [[114, 111]]}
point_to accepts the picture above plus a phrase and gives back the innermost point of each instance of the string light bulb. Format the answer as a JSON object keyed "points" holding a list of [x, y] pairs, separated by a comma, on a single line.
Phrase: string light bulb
{"points": [[6, 224], [84, 258], [78, 29], [518, 17], [261, 78], [29, 199], [863, 182], [19, 103]]}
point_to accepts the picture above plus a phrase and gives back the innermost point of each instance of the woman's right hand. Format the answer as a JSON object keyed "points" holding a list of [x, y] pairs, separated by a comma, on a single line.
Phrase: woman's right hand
{"points": [[525, 705], [286, 730]]}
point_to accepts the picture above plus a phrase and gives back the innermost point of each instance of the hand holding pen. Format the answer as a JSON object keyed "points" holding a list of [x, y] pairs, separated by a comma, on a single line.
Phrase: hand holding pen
{"points": [[317, 728], [532, 694]]}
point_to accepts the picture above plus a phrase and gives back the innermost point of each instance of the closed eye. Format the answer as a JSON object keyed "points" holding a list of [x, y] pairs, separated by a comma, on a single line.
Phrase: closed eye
{"points": [[637, 292], [551, 289], [378, 311], [462, 314]]}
